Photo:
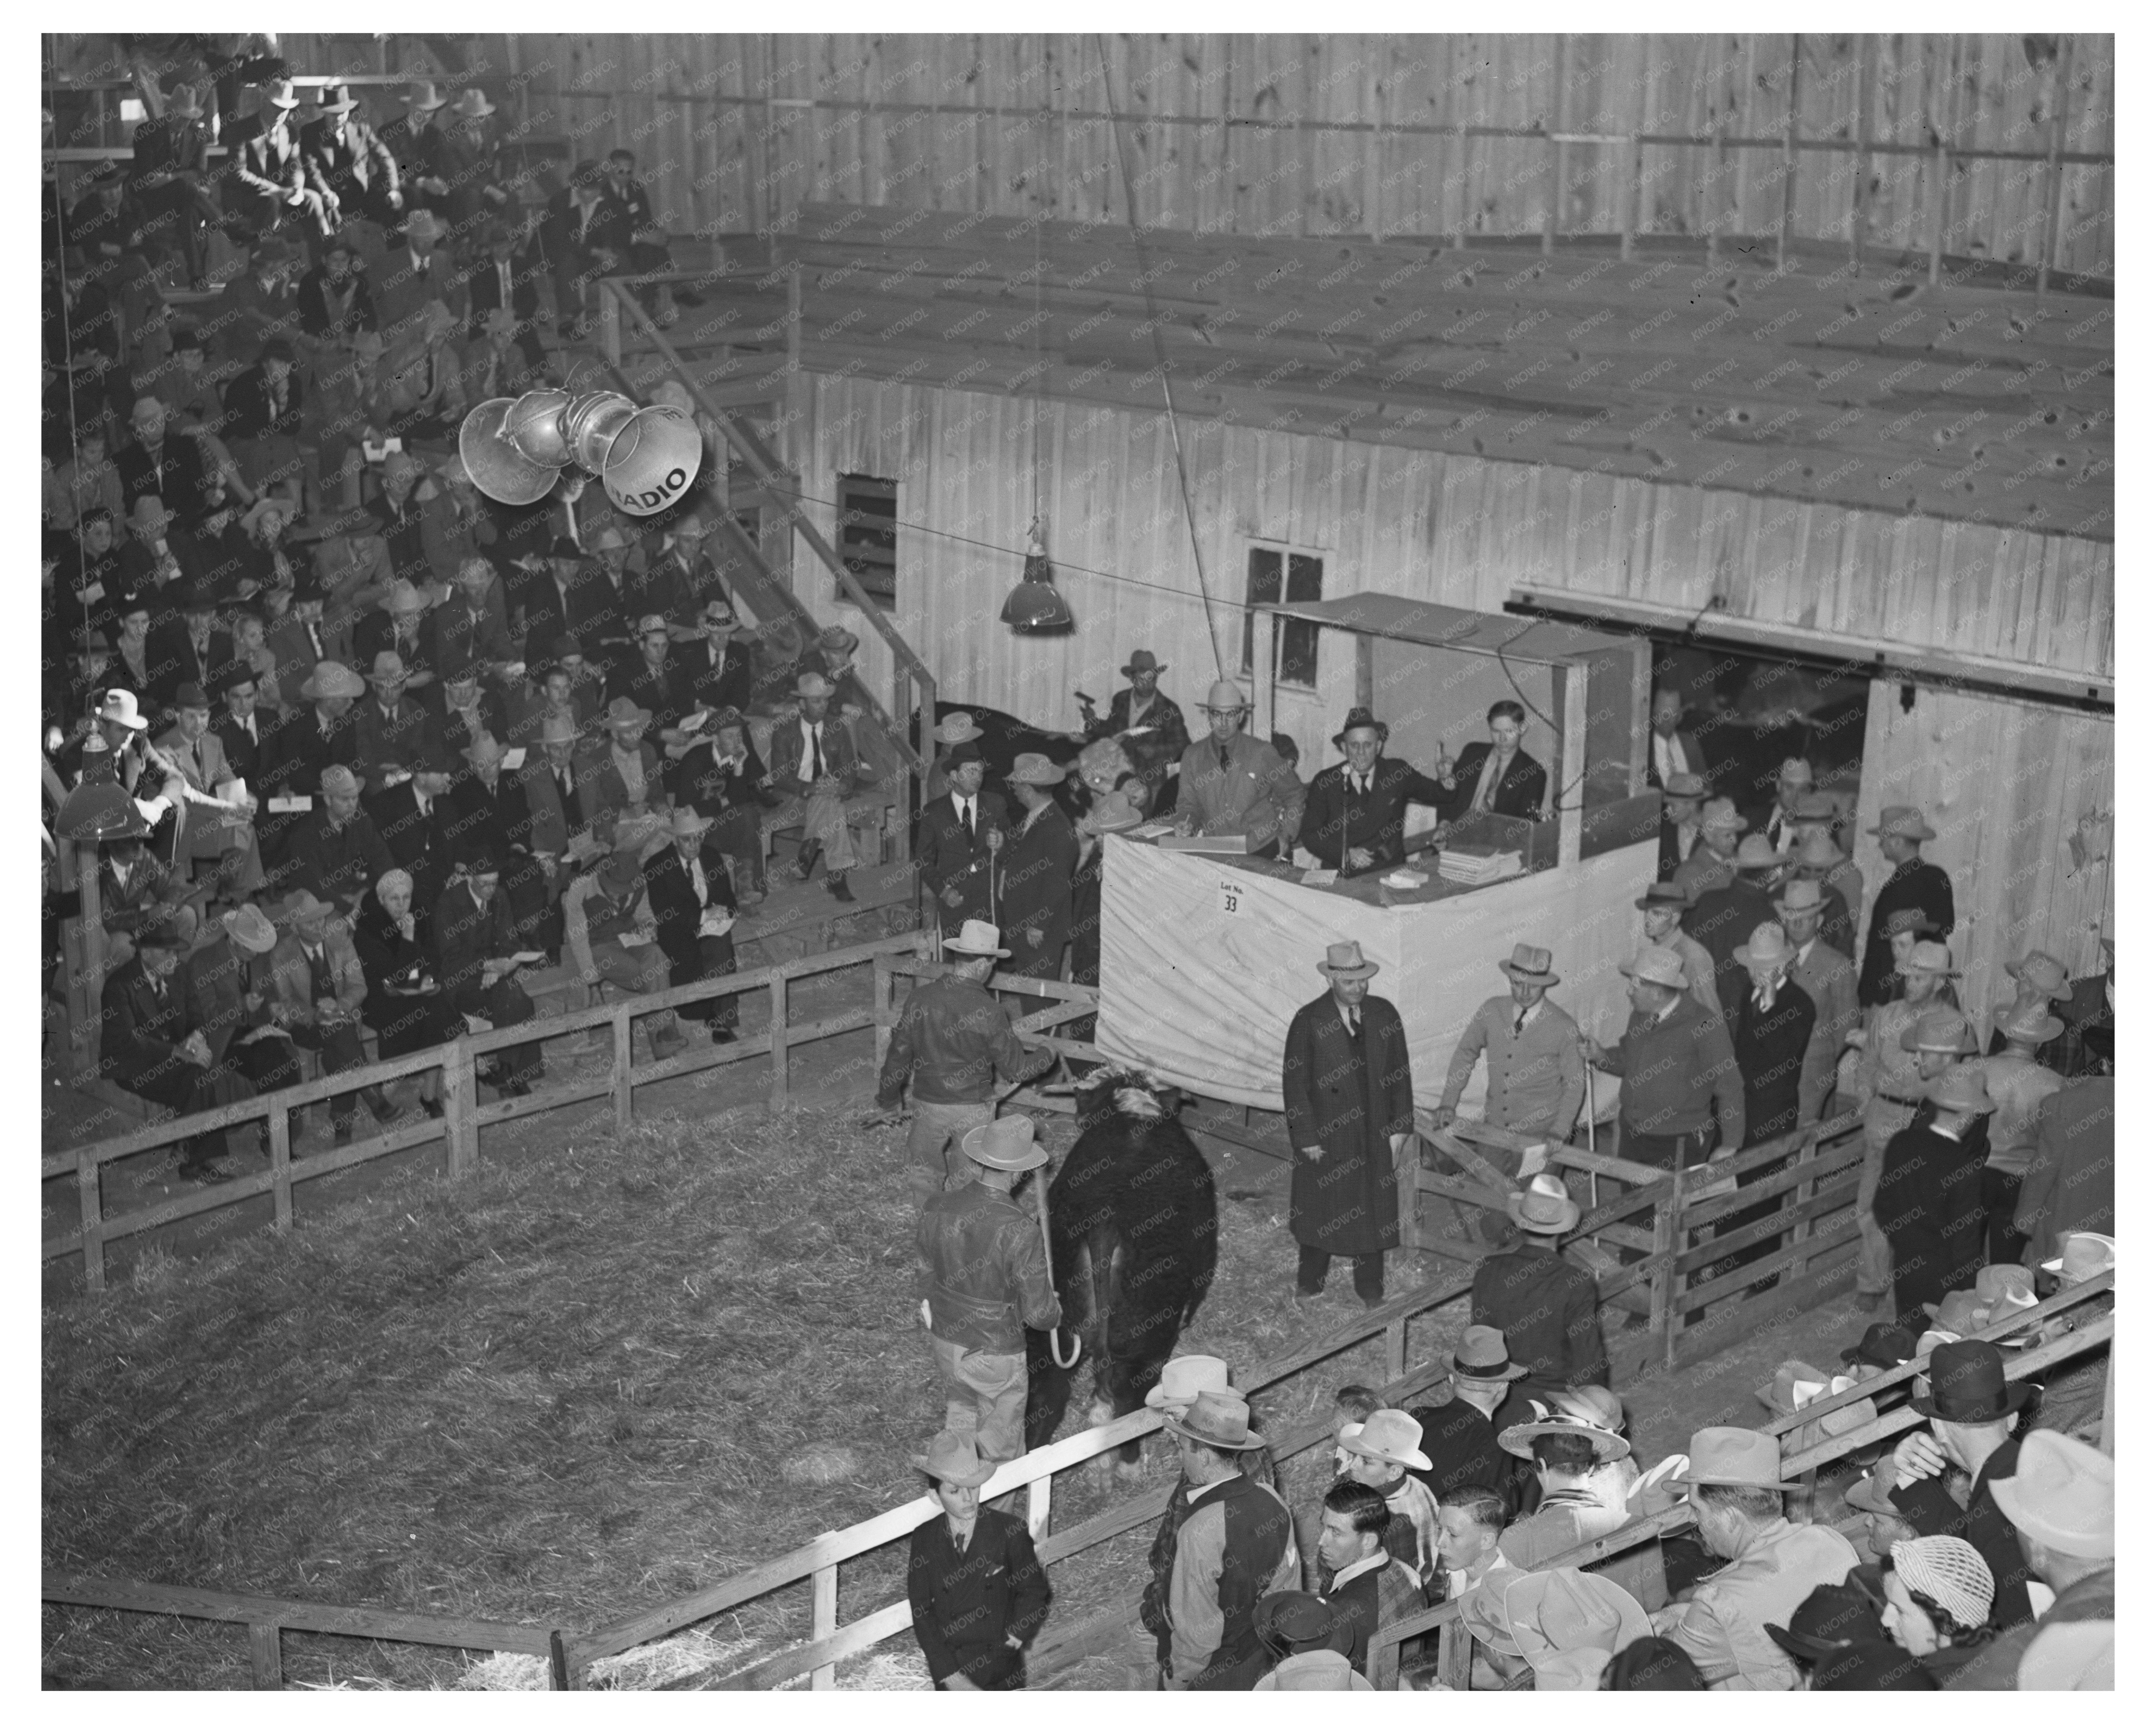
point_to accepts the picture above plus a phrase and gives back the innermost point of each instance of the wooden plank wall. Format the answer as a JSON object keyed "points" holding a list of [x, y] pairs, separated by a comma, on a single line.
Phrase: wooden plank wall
{"points": [[1231, 132], [1454, 529], [2023, 797]]}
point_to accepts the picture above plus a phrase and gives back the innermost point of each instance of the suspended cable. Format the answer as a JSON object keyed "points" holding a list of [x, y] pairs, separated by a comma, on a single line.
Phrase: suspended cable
{"points": [[1159, 351]]}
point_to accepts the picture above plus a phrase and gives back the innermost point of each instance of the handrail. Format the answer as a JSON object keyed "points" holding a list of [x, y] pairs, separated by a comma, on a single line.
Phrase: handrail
{"points": [[2026, 1364]]}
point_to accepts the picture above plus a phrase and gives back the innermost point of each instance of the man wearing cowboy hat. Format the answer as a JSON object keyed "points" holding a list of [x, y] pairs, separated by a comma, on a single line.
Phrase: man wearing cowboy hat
{"points": [[1034, 869], [1545, 1304], [587, 236], [1359, 1539], [977, 1590], [414, 276], [1181, 1380], [1683, 1093], [1383, 1452], [814, 758], [152, 1045], [721, 673], [416, 144], [1561, 1625], [1973, 1410], [1930, 1201], [653, 679], [503, 283], [2040, 982], [1914, 884], [1713, 863], [1355, 813], [1889, 1086], [1829, 979], [610, 934], [1460, 1435], [391, 726], [305, 746], [316, 986], [231, 983], [2015, 1079], [718, 773], [1734, 1479], [515, 813], [1164, 735], [1817, 854], [475, 949], [471, 628], [411, 812], [1350, 1104], [1236, 1545], [953, 1041], [831, 655], [2071, 1185], [1682, 799], [1722, 918], [305, 638], [619, 776], [1229, 782], [954, 728], [272, 184], [351, 159], [1568, 1447], [692, 896], [334, 851], [1537, 1079], [2060, 1497], [957, 837], [984, 1277], [1793, 783], [1662, 910]]}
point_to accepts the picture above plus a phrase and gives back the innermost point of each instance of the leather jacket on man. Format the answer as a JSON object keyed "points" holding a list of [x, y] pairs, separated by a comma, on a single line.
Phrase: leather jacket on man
{"points": [[954, 1039], [985, 1270]]}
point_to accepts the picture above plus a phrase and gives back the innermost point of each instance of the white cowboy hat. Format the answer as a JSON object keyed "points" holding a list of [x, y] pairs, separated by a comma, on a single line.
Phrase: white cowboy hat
{"points": [[1346, 959], [978, 939]]}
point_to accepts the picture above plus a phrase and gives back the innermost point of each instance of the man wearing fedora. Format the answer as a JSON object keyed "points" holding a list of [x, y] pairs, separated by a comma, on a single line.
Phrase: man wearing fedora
{"points": [[475, 949], [957, 837], [2060, 1497], [1889, 1086], [1545, 1304], [953, 1041], [1181, 1379], [984, 1280], [1733, 1478], [1355, 814], [1770, 1035], [317, 986], [814, 757], [1034, 869], [1683, 798], [1818, 855], [415, 143], [977, 1587], [1236, 1545], [1384, 1453], [334, 851], [1536, 1078], [718, 773], [1914, 884], [1930, 1200], [1162, 734], [231, 983], [1460, 1435], [392, 726], [1713, 862], [1971, 1410], [692, 899], [1722, 920], [1569, 1448], [2071, 1185], [617, 772], [2040, 982], [1683, 1093], [306, 746], [1661, 911], [414, 275], [1350, 1105], [2016, 1080], [1233, 783], [653, 678], [1829, 979]]}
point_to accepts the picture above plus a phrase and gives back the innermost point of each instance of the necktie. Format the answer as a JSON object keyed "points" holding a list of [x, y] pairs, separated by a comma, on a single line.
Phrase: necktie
{"points": [[966, 817], [502, 271], [816, 749], [1519, 1020], [248, 725], [696, 880], [568, 784], [318, 969], [1354, 1022], [1224, 757], [315, 640], [1763, 1000], [194, 754]]}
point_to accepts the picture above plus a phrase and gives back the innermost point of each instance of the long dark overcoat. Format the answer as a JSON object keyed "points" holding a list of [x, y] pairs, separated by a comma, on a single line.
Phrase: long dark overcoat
{"points": [[1347, 1095]]}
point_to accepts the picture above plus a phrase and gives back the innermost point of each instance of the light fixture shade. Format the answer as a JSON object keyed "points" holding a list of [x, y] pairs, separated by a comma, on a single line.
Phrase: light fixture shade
{"points": [[1034, 606]]}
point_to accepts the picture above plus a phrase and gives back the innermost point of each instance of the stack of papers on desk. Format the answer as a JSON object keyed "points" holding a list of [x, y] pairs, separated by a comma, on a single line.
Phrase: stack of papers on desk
{"points": [[1477, 865]]}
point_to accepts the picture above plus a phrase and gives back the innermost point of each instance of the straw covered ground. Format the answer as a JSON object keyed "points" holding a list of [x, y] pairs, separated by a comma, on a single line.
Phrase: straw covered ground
{"points": [[554, 1392]]}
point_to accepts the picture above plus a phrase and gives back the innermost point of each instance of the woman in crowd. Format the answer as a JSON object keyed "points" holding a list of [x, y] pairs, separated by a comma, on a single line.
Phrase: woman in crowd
{"points": [[1938, 1602], [404, 1005]]}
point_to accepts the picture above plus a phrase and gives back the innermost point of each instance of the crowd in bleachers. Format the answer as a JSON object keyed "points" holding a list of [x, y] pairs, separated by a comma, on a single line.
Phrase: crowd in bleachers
{"points": [[356, 743]]}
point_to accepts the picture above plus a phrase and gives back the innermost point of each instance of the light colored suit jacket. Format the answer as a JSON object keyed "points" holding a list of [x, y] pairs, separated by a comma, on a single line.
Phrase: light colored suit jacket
{"points": [[1257, 794], [1830, 980], [1537, 1079], [287, 962]]}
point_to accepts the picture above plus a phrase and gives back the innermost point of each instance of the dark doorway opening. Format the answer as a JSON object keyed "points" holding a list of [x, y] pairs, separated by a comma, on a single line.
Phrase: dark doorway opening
{"points": [[1752, 711]]}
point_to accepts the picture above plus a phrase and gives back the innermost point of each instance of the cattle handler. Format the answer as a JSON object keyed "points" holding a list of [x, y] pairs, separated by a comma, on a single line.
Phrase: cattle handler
{"points": [[984, 1273], [953, 1040]]}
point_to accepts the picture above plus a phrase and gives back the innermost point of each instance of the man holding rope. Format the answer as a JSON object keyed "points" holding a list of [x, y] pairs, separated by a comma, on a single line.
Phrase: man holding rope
{"points": [[984, 1278]]}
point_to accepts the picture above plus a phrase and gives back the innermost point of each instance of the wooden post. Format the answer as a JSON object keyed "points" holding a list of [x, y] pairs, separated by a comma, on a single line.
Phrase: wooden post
{"points": [[1859, 195], [1455, 1651], [1264, 629], [1669, 1222], [1938, 207], [823, 1620], [460, 1096], [880, 999], [1790, 160], [1036, 1507], [1396, 1348], [93, 1220], [794, 319], [1571, 761], [778, 1072], [266, 1654], [1554, 150], [2055, 174], [280, 1162], [1801, 1229], [1366, 670], [624, 1054], [86, 986]]}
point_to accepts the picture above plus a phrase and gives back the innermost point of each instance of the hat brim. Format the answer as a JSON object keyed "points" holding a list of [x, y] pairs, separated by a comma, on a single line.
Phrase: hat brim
{"points": [[2024, 1516], [1546, 979], [2017, 1395], [1512, 1373], [1251, 1440], [1134, 670], [1688, 1481], [1519, 1439], [963, 1480], [1922, 835], [964, 950], [1353, 973], [1806, 1649], [1415, 1462], [136, 723], [1514, 1202]]}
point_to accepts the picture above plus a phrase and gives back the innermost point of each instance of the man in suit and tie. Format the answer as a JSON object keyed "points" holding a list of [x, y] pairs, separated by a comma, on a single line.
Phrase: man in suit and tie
{"points": [[1914, 885], [152, 1046], [1142, 706], [499, 281], [416, 143], [1673, 753], [1354, 813], [1537, 1079], [1830, 980], [188, 648], [620, 775], [246, 733], [319, 986], [335, 850], [410, 815], [961, 833], [1792, 785], [167, 468], [1233, 783], [308, 745], [392, 627], [223, 838], [721, 672], [475, 946], [305, 637], [692, 899], [588, 235], [653, 679], [468, 630], [392, 726], [1497, 777], [1713, 863], [414, 275], [559, 594], [814, 759], [1683, 796], [513, 814]]}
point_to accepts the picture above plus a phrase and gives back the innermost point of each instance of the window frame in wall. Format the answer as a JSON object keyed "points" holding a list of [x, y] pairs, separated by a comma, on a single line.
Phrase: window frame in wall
{"points": [[860, 543], [1295, 642]]}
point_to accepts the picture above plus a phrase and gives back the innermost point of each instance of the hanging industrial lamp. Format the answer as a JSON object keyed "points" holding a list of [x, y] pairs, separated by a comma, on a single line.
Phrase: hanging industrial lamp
{"points": [[1035, 607]]}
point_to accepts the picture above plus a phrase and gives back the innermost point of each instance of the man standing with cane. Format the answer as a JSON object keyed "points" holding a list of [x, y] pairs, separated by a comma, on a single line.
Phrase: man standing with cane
{"points": [[984, 1281]]}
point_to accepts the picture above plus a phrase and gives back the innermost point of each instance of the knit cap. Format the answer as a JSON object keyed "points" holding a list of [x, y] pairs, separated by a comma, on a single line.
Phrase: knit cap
{"points": [[1950, 1572]]}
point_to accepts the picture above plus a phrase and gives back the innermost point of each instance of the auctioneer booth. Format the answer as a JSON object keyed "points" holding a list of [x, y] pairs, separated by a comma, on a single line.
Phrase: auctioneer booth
{"points": [[1206, 957]]}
